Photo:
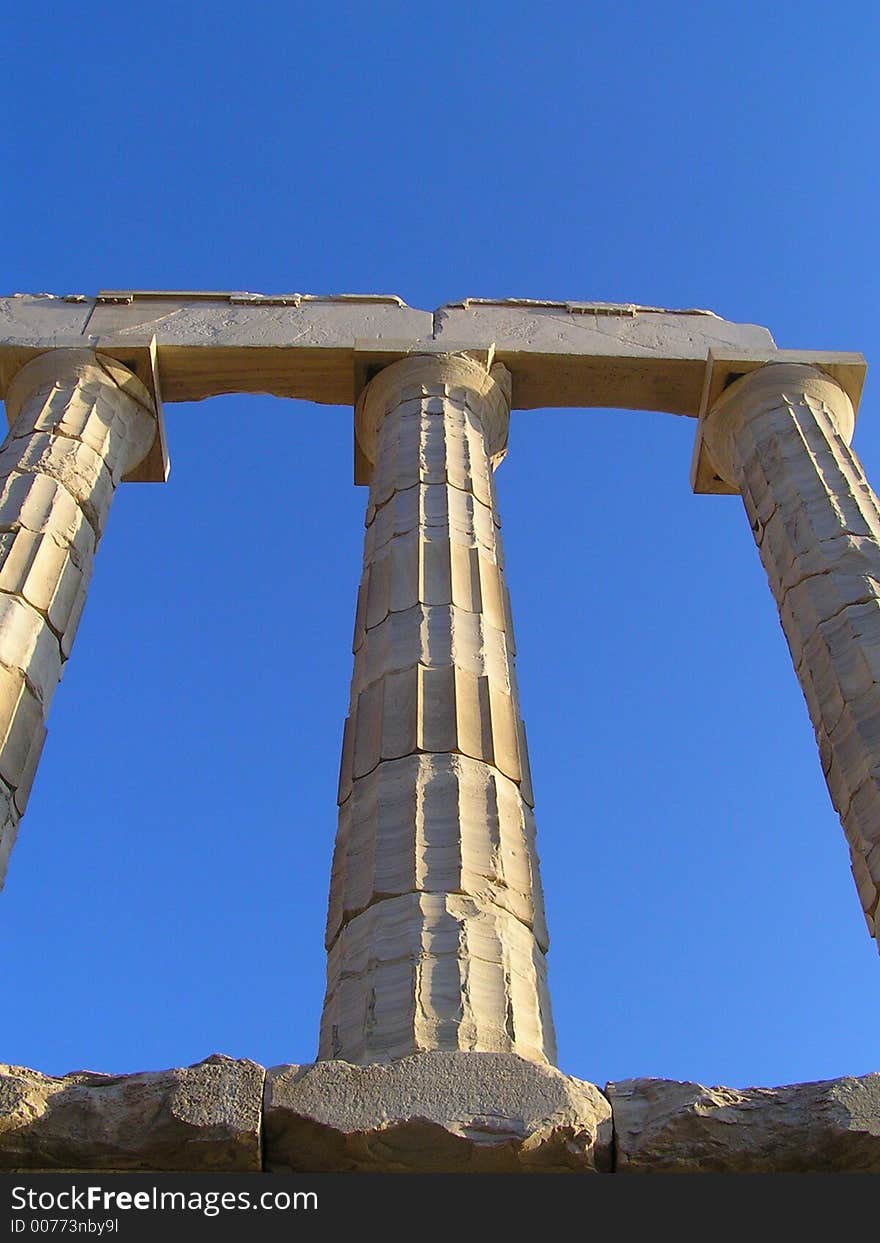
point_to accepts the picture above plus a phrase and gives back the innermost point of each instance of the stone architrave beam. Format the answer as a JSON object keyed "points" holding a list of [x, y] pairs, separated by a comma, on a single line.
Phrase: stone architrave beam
{"points": [[316, 348]]}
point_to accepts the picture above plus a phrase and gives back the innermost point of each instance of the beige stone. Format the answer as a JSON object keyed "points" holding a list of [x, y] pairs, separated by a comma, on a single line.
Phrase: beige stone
{"points": [[433, 637], [45, 573], [431, 971], [22, 728], [436, 823], [29, 647], [435, 1113], [438, 1112], [78, 427], [436, 932], [10, 815], [780, 436], [432, 709], [315, 348], [205, 1117], [665, 1127]]}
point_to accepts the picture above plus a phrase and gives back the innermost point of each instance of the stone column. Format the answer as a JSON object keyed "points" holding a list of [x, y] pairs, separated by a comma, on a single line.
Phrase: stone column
{"points": [[78, 424], [780, 435], [436, 934]]}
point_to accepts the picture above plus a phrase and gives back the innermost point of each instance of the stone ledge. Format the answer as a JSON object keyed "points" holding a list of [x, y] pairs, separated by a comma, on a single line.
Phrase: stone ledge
{"points": [[450, 1112], [666, 1127], [431, 1113], [205, 1117]]}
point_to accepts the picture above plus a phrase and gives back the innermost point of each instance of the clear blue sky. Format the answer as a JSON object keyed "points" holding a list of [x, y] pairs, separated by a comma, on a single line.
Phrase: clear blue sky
{"points": [[168, 893]]}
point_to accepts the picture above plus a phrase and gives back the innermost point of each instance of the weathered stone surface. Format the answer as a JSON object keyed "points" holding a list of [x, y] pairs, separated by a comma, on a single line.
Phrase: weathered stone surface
{"points": [[780, 436], [9, 821], [436, 1112], [473, 1112], [78, 426], [607, 328], [299, 345], [439, 823], [427, 971], [436, 935], [665, 1127], [204, 1117]]}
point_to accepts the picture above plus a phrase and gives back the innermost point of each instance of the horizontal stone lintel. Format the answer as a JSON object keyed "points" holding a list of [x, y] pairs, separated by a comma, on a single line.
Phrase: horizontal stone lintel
{"points": [[567, 354]]}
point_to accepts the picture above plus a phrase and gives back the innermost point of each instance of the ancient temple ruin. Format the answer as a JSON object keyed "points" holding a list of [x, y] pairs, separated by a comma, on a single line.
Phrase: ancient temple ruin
{"points": [[437, 1015]]}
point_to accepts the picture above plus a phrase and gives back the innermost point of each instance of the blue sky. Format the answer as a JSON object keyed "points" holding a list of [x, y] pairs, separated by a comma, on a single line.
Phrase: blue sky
{"points": [[168, 893]]}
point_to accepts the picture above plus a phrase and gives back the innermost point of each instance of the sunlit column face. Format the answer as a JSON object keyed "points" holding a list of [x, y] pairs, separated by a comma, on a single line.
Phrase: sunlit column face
{"points": [[781, 437], [436, 934]]}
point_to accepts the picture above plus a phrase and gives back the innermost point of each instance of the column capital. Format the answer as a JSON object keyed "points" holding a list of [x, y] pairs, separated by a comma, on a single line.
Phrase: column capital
{"points": [[74, 366], [487, 389], [762, 393]]}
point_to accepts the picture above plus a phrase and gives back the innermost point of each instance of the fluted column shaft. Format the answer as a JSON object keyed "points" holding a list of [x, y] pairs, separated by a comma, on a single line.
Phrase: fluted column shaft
{"points": [[78, 424], [781, 436], [436, 935]]}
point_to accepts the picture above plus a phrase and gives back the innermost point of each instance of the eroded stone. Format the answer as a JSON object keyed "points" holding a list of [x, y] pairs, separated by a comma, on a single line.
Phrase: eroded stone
{"points": [[78, 427], [204, 1117], [780, 437], [435, 1113], [435, 932], [665, 1127]]}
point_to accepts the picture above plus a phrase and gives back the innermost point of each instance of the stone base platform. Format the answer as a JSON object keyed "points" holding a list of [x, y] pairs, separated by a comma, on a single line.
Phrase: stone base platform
{"points": [[438, 1112], [432, 1113]]}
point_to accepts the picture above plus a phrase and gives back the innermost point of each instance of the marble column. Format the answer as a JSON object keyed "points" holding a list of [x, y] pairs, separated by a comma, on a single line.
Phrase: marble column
{"points": [[780, 435], [79, 423], [436, 936]]}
